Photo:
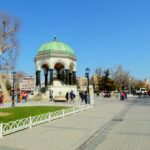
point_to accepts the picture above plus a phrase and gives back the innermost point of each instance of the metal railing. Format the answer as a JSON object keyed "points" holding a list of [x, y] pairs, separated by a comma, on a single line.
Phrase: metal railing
{"points": [[14, 126]]}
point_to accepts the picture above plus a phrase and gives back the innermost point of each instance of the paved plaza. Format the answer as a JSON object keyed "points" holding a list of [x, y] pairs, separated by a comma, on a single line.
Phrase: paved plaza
{"points": [[111, 125]]}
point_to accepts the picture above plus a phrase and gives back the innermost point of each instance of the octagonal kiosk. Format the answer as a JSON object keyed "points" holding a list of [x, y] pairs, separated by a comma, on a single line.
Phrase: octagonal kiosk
{"points": [[56, 63]]}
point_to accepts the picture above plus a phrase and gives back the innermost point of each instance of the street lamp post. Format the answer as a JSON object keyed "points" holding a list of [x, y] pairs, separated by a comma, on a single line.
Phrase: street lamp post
{"points": [[13, 96], [129, 85], [87, 75]]}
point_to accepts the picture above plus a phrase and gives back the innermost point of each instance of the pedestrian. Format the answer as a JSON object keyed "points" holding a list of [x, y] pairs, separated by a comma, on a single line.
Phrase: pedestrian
{"points": [[72, 95], [122, 96], [51, 95], [25, 96], [126, 95], [86, 97], [81, 96], [18, 97], [1, 99], [67, 97], [140, 94]]}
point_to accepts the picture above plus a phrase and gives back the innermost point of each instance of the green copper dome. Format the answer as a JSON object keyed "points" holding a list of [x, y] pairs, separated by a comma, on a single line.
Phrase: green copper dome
{"points": [[56, 47]]}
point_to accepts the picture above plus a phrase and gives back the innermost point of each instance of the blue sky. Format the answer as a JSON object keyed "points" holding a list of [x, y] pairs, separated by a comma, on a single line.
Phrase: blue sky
{"points": [[103, 33]]}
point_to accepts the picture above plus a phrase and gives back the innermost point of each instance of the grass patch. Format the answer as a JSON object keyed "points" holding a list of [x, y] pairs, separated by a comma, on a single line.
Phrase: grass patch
{"points": [[24, 112]]}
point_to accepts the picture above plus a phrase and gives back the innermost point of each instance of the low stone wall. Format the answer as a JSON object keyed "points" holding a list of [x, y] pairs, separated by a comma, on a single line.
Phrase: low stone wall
{"points": [[60, 98]]}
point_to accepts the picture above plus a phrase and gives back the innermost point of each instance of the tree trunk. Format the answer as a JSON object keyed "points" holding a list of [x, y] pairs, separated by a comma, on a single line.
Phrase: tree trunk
{"points": [[4, 89]]}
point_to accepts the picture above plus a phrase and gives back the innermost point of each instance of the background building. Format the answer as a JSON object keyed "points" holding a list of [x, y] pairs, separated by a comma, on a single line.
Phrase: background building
{"points": [[27, 84], [82, 83], [95, 82]]}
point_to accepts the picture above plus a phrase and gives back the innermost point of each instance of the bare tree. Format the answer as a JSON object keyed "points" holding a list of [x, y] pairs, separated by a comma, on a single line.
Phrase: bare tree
{"points": [[96, 79], [8, 47], [121, 77], [98, 71]]}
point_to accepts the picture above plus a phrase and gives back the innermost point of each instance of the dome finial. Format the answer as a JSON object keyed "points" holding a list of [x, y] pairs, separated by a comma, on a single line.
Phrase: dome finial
{"points": [[55, 38]]}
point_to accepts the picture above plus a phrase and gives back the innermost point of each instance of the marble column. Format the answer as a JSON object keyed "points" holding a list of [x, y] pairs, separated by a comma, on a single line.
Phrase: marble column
{"points": [[38, 79], [51, 76], [58, 75], [74, 77], [67, 76], [46, 79], [70, 78], [63, 76]]}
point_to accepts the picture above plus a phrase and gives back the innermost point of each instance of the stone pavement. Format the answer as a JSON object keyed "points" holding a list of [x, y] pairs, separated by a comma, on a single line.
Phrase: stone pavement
{"points": [[111, 125], [129, 130]]}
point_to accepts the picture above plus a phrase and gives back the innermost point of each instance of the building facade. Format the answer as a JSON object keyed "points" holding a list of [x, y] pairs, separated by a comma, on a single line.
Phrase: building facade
{"points": [[27, 84], [95, 82], [82, 83]]}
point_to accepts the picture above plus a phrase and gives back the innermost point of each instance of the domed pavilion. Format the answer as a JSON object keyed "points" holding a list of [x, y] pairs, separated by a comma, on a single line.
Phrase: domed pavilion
{"points": [[57, 61]]}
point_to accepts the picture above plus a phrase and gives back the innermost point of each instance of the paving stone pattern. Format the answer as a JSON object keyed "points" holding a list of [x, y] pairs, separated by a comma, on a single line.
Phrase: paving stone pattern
{"points": [[111, 125]]}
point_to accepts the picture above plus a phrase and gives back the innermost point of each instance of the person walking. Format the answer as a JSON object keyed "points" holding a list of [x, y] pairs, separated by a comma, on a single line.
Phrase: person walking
{"points": [[67, 97], [51, 95], [72, 96], [86, 97], [20, 97], [122, 96], [81, 93], [126, 97], [1, 99], [25, 96]]}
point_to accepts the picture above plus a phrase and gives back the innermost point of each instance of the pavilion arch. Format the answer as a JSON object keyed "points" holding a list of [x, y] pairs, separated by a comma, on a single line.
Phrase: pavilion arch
{"points": [[46, 63], [59, 72], [60, 62], [44, 72]]}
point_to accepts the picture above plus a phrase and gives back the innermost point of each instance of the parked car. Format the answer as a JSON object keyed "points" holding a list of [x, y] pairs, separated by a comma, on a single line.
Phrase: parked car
{"points": [[106, 94], [141, 91]]}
